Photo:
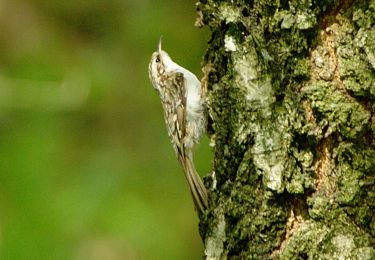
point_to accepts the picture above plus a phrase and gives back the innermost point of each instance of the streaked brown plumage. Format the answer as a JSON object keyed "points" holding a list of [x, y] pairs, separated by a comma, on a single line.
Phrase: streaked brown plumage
{"points": [[181, 96]]}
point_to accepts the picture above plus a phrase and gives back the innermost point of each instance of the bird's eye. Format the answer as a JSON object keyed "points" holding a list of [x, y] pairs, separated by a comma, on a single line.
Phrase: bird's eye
{"points": [[157, 59]]}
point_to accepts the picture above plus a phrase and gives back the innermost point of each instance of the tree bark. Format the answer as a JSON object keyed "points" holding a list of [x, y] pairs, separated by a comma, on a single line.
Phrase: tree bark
{"points": [[290, 90]]}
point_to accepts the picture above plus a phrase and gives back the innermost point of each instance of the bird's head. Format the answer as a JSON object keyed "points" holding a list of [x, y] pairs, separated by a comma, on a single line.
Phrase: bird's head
{"points": [[158, 65]]}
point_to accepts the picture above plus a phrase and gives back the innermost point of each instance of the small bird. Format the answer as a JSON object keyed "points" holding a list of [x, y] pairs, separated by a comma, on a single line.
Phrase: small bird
{"points": [[184, 113]]}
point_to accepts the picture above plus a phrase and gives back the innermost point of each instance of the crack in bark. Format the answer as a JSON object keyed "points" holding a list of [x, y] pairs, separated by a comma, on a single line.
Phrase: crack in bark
{"points": [[296, 219], [323, 167], [330, 16]]}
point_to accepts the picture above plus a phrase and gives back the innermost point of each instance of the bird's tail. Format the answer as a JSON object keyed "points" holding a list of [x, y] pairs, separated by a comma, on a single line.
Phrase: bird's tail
{"points": [[197, 189]]}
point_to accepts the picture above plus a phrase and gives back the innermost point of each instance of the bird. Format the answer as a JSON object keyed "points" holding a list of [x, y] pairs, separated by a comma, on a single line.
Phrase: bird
{"points": [[184, 108]]}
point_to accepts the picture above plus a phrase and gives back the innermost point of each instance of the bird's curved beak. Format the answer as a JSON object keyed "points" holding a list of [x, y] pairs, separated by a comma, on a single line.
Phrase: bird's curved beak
{"points": [[159, 45]]}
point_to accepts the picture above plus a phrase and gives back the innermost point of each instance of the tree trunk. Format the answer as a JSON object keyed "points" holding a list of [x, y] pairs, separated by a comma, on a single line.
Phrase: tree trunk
{"points": [[291, 90]]}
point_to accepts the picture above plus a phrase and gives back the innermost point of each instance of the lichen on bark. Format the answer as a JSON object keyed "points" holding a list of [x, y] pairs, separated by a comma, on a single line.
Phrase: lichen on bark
{"points": [[291, 89]]}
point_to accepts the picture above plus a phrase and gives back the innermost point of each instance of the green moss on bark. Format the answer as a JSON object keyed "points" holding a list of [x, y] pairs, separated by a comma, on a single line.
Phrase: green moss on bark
{"points": [[336, 240], [290, 97]]}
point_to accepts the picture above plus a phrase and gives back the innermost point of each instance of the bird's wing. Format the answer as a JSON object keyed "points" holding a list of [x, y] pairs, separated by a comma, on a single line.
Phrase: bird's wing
{"points": [[181, 106], [175, 110]]}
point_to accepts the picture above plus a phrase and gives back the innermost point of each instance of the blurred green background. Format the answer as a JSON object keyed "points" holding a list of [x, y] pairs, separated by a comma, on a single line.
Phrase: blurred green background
{"points": [[86, 167]]}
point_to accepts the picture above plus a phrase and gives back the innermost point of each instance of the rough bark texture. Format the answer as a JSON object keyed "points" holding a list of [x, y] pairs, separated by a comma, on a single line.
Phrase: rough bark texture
{"points": [[291, 90]]}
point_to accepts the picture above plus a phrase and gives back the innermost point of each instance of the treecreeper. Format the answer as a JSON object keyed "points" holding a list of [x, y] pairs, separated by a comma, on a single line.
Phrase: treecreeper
{"points": [[183, 103]]}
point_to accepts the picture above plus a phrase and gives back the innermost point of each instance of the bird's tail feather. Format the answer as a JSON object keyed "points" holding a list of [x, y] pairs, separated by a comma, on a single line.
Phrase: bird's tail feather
{"points": [[197, 189]]}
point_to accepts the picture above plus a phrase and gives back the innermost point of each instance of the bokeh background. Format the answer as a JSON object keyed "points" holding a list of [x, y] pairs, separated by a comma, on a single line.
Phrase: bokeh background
{"points": [[86, 167]]}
